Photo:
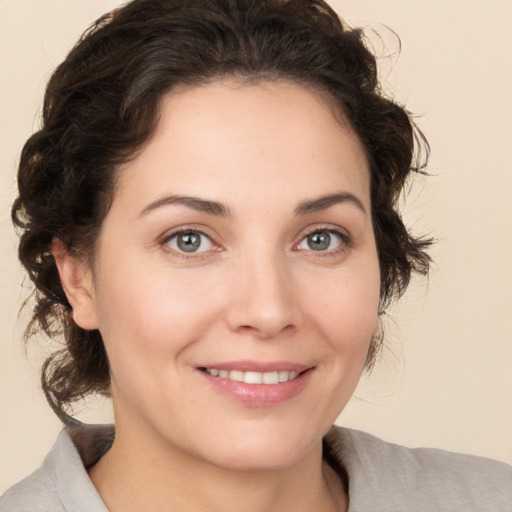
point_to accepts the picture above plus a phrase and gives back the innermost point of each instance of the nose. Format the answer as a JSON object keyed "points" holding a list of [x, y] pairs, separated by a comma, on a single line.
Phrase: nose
{"points": [[263, 299]]}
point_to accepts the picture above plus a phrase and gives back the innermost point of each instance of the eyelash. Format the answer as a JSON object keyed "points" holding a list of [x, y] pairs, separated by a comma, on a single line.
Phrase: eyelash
{"points": [[188, 231], [346, 242]]}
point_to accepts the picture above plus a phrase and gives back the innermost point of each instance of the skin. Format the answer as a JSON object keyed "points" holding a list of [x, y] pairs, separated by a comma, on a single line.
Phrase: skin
{"points": [[256, 290]]}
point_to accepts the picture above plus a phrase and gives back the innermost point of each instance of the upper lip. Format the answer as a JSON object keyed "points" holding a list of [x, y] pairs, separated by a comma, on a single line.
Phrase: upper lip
{"points": [[258, 366]]}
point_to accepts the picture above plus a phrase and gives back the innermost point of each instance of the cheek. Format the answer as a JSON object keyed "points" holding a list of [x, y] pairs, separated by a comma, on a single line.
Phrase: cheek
{"points": [[347, 313], [155, 311], [148, 324]]}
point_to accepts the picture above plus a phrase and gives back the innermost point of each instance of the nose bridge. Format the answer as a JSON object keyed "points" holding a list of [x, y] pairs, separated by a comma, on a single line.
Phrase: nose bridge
{"points": [[263, 293]]}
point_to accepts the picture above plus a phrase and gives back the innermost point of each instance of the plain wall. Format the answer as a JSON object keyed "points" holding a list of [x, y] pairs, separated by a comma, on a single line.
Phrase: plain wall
{"points": [[445, 378]]}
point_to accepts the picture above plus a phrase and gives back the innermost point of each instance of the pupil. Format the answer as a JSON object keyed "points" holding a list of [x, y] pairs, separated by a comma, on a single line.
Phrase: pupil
{"points": [[319, 241], [189, 242]]}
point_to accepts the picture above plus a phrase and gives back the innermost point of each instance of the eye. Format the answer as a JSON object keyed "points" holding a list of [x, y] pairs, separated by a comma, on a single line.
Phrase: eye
{"points": [[322, 240], [189, 242]]}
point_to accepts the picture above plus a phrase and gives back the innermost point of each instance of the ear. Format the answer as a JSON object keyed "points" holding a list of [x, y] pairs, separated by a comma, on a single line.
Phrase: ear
{"points": [[77, 283]]}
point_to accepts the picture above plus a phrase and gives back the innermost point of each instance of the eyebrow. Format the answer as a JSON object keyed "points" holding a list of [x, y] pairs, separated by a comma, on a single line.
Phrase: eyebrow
{"points": [[221, 210], [324, 202], [201, 205]]}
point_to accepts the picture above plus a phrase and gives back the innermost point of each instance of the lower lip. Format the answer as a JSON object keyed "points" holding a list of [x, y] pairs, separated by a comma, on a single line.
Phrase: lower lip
{"points": [[259, 395]]}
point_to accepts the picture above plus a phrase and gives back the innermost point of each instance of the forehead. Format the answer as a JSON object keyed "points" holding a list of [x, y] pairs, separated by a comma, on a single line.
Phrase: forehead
{"points": [[238, 139]]}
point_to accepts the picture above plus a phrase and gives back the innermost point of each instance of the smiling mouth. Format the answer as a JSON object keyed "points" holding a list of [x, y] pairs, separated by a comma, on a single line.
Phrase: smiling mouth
{"points": [[250, 377]]}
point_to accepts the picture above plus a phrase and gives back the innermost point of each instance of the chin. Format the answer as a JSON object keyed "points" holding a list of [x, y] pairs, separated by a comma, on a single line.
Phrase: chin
{"points": [[259, 459], [263, 448]]}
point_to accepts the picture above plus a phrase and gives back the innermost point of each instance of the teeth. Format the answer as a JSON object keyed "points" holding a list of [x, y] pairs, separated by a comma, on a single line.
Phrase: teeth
{"points": [[254, 377], [283, 376], [236, 375], [270, 378]]}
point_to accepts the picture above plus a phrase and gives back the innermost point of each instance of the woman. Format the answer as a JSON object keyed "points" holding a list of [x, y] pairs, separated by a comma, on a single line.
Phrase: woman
{"points": [[209, 216]]}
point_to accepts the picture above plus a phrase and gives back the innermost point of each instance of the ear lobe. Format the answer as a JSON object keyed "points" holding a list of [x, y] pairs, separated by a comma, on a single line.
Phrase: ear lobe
{"points": [[77, 283]]}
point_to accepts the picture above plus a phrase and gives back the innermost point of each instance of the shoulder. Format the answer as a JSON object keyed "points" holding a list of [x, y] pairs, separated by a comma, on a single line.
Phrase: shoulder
{"points": [[61, 484], [421, 478], [35, 493]]}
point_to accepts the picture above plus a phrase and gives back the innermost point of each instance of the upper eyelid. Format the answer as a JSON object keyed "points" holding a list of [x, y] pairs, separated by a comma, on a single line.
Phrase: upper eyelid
{"points": [[186, 229], [214, 238], [346, 239], [194, 255], [324, 227]]}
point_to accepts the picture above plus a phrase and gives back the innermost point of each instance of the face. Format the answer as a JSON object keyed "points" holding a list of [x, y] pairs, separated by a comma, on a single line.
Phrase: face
{"points": [[236, 279]]}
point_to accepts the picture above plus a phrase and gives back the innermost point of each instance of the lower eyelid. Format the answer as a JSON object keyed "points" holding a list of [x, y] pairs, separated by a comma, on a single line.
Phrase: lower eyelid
{"points": [[172, 237], [343, 237], [344, 242]]}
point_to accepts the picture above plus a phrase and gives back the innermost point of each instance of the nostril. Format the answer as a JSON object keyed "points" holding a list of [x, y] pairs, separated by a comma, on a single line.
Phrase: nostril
{"points": [[261, 306], [266, 331]]}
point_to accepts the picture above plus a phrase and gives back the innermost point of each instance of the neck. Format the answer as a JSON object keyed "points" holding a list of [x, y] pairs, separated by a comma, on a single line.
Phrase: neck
{"points": [[154, 475]]}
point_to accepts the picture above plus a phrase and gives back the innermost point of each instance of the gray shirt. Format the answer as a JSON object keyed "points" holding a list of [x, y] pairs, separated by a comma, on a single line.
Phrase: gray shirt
{"points": [[379, 476]]}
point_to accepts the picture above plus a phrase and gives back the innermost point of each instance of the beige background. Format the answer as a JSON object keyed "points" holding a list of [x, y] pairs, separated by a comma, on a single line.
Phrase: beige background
{"points": [[445, 380]]}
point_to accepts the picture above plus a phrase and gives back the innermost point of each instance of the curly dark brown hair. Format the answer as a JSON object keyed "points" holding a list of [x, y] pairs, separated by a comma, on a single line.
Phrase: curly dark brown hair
{"points": [[102, 104]]}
